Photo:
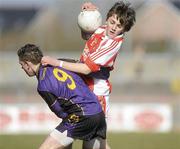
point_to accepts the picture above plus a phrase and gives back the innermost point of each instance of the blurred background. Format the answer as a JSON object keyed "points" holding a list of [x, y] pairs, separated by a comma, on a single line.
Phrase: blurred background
{"points": [[146, 80]]}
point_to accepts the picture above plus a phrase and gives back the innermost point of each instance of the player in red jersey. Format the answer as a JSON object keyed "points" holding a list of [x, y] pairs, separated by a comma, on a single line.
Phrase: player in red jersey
{"points": [[101, 50]]}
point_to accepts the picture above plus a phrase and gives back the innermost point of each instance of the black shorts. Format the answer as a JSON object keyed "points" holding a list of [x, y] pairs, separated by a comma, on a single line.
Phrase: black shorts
{"points": [[84, 127]]}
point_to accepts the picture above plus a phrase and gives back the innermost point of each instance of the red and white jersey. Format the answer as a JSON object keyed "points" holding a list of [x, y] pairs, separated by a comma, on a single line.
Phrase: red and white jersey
{"points": [[100, 52]]}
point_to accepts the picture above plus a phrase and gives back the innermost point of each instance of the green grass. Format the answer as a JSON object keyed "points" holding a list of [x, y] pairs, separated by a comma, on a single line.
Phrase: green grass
{"points": [[116, 141]]}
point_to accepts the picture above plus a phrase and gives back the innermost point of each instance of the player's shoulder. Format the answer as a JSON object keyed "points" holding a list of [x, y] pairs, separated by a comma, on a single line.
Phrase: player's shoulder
{"points": [[44, 72], [119, 38], [44, 78]]}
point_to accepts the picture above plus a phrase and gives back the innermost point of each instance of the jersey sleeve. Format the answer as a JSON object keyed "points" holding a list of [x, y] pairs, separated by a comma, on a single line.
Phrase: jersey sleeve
{"points": [[92, 65], [52, 102]]}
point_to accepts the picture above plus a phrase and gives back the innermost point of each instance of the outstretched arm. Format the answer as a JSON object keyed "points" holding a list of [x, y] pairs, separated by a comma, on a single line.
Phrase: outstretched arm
{"points": [[75, 67]]}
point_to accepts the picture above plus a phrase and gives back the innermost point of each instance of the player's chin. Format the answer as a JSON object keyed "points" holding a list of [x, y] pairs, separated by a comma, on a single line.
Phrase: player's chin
{"points": [[111, 36]]}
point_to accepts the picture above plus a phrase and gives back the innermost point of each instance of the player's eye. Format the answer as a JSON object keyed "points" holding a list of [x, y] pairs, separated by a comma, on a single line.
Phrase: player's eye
{"points": [[119, 26], [112, 22]]}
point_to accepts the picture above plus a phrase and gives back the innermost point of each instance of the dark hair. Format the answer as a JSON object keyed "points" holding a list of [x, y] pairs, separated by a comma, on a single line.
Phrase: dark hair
{"points": [[125, 14], [30, 53]]}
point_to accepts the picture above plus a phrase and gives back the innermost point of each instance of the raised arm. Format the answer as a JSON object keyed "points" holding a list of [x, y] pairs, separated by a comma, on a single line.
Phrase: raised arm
{"points": [[87, 6]]}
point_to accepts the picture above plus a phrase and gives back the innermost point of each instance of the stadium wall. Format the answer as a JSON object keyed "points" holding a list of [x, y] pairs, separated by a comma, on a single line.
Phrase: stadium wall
{"points": [[37, 118]]}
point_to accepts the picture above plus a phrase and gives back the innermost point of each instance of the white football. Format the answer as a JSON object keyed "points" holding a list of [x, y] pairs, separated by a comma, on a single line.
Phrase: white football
{"points": [[89, 21]]}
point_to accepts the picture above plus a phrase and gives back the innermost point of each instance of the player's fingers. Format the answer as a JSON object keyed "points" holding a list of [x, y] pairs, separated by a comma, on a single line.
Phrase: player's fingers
{"points": [[88, 6], [44, 60], [44, 64]]}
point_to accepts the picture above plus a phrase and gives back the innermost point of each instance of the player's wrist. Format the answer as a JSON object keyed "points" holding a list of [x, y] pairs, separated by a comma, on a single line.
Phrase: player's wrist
{"points": [[61, 64]]}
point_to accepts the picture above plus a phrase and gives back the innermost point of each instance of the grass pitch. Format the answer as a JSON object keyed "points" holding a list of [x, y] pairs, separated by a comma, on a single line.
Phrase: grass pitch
{"points": [[116, 141]]}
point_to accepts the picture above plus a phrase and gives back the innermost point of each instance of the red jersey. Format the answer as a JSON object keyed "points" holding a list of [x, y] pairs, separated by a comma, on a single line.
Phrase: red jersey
{"points": [[99, 55]]}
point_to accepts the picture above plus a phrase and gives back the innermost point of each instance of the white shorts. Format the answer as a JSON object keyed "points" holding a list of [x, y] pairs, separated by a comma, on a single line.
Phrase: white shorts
{"points": [[62, 138]]}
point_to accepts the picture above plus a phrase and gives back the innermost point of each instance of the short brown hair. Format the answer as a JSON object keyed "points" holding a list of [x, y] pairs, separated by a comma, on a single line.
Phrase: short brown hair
{"points": [[31, 53], [125, 13]]}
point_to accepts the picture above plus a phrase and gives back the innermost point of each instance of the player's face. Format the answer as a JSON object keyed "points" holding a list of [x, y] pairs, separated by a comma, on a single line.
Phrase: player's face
{"points": [[114, 28], [27, 68]]}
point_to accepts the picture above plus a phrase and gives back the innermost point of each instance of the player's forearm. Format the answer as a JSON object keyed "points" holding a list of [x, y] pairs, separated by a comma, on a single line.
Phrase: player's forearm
{"points": [[71, 66], [76, 67]]}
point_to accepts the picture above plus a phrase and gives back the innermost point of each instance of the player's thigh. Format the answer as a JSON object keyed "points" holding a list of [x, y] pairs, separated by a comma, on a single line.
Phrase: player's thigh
{"points": [[57, 140], [51, 143], [96, 143]]}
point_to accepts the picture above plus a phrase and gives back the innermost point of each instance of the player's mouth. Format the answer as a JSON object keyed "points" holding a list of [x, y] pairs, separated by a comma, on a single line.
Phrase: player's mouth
{"points": [[112, 33]]}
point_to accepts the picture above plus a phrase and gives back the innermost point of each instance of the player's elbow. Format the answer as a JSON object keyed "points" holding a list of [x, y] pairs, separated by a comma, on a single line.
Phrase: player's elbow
{"points": [[86, 70]]}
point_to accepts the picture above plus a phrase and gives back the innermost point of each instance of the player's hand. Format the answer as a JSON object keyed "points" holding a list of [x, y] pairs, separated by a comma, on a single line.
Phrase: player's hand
{"points": [[47, 60], [85, 35], [88, 6]]}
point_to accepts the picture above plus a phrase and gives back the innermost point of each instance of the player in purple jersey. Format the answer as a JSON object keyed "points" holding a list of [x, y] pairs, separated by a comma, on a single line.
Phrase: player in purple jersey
{"points": [[70, 99]]}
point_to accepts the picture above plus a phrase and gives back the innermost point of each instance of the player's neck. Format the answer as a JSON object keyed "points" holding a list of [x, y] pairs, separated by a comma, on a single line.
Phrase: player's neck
{"points": [[37, 69]]}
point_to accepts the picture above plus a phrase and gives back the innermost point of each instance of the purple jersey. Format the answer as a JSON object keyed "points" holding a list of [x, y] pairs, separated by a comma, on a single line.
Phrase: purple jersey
{"points": [[66, 93]]}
